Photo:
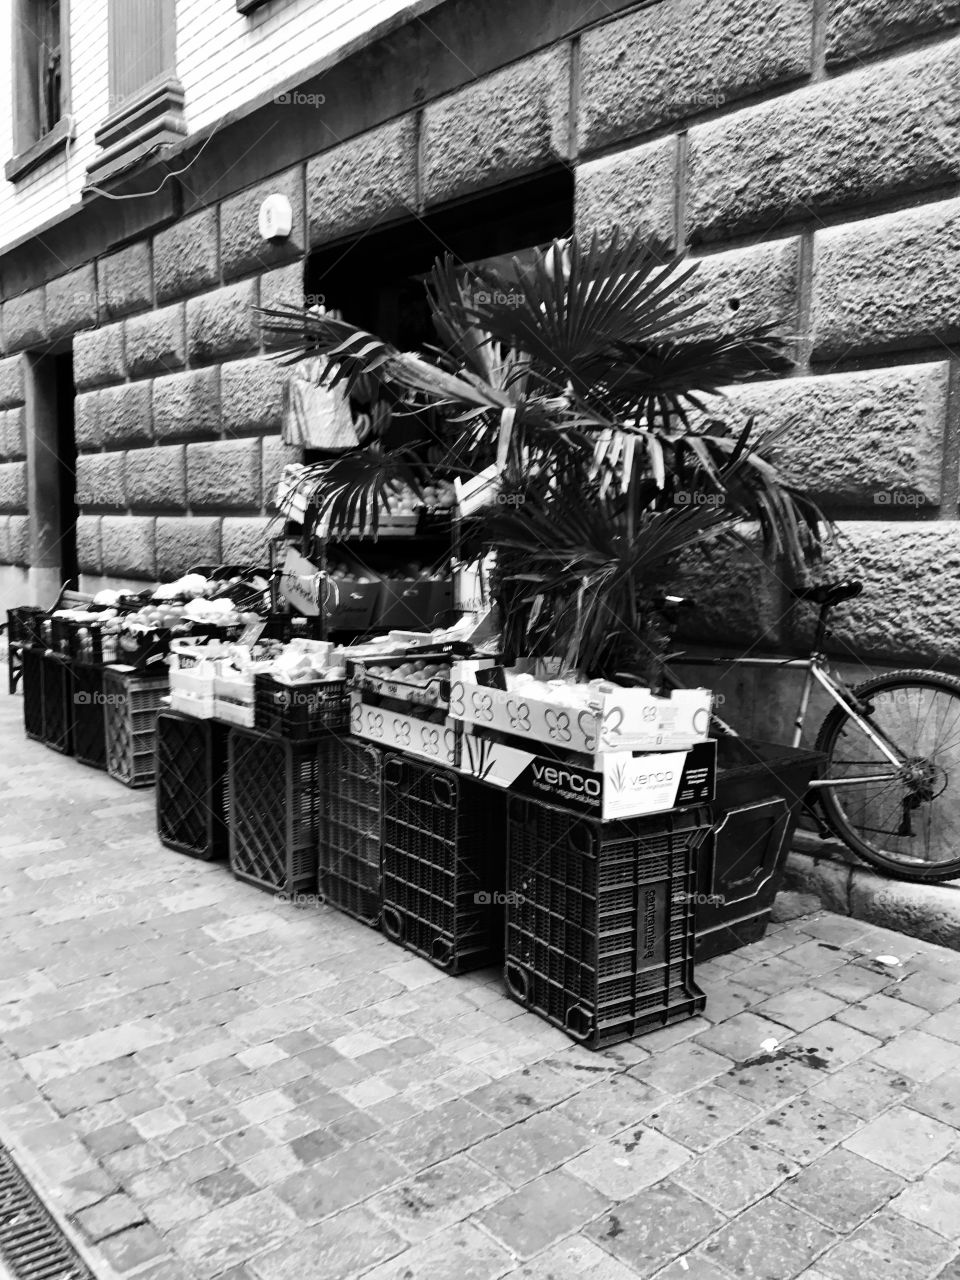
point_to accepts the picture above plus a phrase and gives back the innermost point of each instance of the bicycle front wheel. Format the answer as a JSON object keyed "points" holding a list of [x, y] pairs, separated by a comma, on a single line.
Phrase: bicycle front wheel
{"points": [[903, 819]]}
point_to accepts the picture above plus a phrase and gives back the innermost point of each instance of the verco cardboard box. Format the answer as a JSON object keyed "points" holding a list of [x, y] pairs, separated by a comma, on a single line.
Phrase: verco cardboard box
{"points": [[437, 742], [622, 720], [613, 784]]}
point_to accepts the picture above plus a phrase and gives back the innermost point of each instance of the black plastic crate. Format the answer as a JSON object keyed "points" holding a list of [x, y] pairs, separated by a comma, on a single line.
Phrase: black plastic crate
{"points": [[274, 787], [132, 701], [443, 865], [191, 785], [23, 624], [300, 711], [32, 677], [89, 723], [600, 919], [760, 792], [57, 686], [350, 829]]}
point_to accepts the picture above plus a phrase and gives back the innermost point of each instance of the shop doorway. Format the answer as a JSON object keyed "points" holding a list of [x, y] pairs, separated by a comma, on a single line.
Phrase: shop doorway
{"points": [[52, 467], [376, 280]]}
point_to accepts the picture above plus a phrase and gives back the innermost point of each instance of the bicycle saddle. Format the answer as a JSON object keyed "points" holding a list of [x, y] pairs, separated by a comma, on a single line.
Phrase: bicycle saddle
{"points": [[829, 593]]}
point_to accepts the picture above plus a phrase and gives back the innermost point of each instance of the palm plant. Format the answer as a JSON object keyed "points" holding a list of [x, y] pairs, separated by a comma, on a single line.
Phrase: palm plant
{"points": [[580, 380]]}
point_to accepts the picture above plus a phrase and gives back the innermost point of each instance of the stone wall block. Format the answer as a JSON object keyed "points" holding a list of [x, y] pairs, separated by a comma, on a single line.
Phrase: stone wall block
{"points": [[157, 477], [243, 249], [11, 381], [185, 256], [126, 281], [88, 543], [100, 480], [23, 320], [251, 394], [246, 540], [183, 541], [13, 486], [12, 439], [633, 189], [124, 413], [128, 546], [224, 473], [369, 179], [224, 322], [98, 357], [156, 341], [72, 302], [187, 404], [856, 28]]}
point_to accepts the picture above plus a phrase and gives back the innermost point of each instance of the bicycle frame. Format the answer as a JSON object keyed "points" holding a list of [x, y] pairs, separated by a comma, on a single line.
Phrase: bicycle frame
{"points": [[817, 671]]}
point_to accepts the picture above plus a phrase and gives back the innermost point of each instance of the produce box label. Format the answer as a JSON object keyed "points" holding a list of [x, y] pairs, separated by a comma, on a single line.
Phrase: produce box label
{"points": [[299, 583], [439, 743], [613, 785], [625, 720]]}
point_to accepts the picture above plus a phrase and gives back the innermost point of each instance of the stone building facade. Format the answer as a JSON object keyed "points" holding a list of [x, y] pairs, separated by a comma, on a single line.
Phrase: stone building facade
{"points": [[807, 152]]}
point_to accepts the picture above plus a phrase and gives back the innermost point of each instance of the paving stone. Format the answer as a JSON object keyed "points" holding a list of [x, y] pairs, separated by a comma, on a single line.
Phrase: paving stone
{"points": [[904, 1141], [438, 1197], [881, 1016], [530, 1148], [772, 1077], [271, 1166], [934, 1200], [529, 1220], [939, 1098], [132, 1248], [335, 1250], [437, 1135], [704, 1116], [946, 1025], [224, 1187], [356, 1126], [840, 1189], [863, 1088], [573, 1258], [692, 1266], [521, 1094], [683, 1067], [347, 1177], [610, 1106], [799, 1009], [804, 1128], [771, 976], [742, 1036], [923, 989], [234, 1233], [832, 1045], [624, 1165], [735, 1173], [887, 1247], [462, 1251], [110, 1216], [653, 1227], [176, 1208], [768, 1239], [919, 1056]]}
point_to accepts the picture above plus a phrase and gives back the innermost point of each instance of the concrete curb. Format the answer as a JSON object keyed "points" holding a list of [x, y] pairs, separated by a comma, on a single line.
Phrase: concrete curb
{"points": [[826, 871]]}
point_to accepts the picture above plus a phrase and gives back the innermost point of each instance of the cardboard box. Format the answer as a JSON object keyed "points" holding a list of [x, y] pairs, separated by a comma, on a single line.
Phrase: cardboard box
{"points": [[404, 603], [438, 743], [434, 693], [353, 605], [614, 784], [625, 720]]}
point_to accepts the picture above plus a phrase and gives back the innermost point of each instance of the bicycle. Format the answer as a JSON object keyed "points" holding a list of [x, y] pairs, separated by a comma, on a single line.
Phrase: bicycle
{"points": [[891, 785]]}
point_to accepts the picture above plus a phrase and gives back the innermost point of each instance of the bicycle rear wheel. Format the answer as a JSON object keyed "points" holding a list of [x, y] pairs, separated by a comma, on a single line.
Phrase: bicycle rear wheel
{"points": [[903, 820]]}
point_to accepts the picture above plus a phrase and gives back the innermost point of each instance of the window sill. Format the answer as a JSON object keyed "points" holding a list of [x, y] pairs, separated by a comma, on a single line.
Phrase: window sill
{"points": [[248, 6], [149, 120], [41, 150]]}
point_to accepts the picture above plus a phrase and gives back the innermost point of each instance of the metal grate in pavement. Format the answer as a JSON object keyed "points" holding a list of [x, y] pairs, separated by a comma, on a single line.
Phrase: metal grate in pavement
{"points": [[32, 1246]]}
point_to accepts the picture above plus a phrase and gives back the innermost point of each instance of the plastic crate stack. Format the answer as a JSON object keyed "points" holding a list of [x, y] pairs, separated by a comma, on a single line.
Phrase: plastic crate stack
{"points": [[132, 701], [277, 775], [192, 796], [443, 875], [600, 919], [349, 850]]}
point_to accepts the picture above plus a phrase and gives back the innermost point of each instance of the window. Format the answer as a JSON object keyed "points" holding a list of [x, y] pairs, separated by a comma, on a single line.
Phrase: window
{"points": [[41, 113], [146, 98]]}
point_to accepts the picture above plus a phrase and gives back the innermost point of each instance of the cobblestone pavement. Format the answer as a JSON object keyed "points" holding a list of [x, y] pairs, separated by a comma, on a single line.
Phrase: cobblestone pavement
{"points": [[207, 1082]]}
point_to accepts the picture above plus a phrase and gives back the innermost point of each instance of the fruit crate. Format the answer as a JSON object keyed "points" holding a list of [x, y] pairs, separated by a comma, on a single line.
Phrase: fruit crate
{"points": [[274, 786], [89, 726], [350, 829], [760, 792], [300, 711], [191, 785], [132, 701], [443, 865], [600, 919], [57, 686], [31, 672]]}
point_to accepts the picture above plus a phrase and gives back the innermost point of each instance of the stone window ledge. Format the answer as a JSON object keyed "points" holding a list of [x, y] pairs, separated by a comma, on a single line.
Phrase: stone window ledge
{"points": [[41, 151]]}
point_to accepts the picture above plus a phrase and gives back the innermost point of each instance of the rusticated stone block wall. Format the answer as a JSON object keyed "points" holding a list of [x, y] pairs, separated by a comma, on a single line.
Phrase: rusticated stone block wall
{"points": [[805, 152]]}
